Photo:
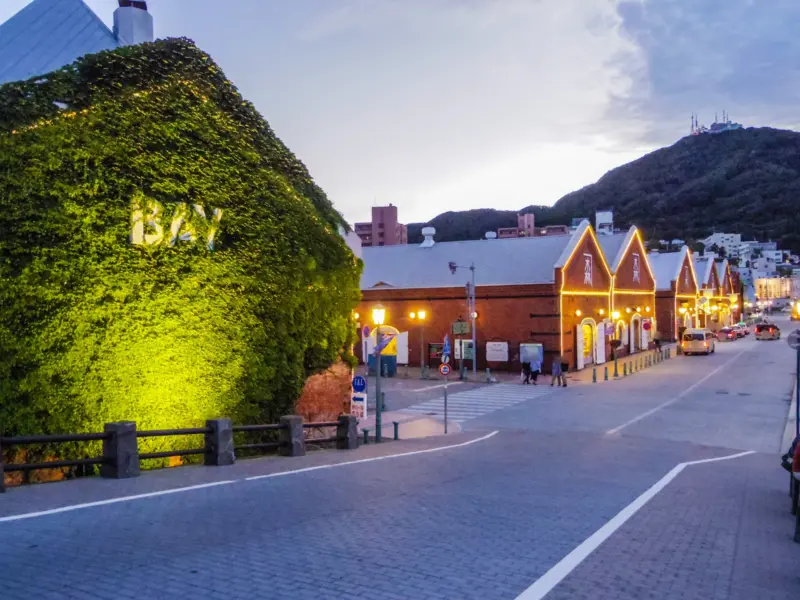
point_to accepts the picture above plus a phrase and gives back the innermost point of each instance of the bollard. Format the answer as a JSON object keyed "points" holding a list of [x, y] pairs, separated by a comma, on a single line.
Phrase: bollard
{"points": [[396, 430], [291, 437], [383, 401], [366, 436], [631, 364], [624, 370], [616, 369], [347, 433], [219, 443], [594, 374], [120, 451], [605, 374]]}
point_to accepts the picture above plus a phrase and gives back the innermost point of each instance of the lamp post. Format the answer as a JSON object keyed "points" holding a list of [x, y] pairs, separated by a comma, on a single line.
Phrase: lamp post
{"points": [[472, 313], [420, 317], [378, 316]]}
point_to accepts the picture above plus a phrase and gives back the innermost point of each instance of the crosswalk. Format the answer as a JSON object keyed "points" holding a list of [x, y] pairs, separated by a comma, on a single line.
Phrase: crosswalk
{"points": [[469, 404]]}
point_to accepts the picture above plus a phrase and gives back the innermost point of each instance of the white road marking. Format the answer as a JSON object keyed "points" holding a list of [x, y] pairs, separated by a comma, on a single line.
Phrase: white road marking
{"points": [[545, 584], [474, 403], [646, 414], [190, 488], [436, 387], [374, 458], [53, 511]]}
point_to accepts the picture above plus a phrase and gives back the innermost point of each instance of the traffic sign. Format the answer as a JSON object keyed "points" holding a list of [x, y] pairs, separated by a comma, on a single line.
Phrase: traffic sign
{"points": [[446, 345], [444, 369], [359, 383], [366, 331], [445, 359], [794, 340]]}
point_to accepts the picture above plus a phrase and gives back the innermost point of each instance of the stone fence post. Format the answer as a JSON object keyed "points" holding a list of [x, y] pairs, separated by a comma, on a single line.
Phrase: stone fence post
{"points": [[219, 443], [120, 451], [347, 433], [292, 439]]}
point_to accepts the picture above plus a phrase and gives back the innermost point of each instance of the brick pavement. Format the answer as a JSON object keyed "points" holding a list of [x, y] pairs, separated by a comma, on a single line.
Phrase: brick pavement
{"points": [[482, 521], [718, 531]]}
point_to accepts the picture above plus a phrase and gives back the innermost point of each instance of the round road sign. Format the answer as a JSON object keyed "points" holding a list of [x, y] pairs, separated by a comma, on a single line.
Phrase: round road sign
{"points": [[359, 383], [794, 340], [444, 369], [445, 359]]}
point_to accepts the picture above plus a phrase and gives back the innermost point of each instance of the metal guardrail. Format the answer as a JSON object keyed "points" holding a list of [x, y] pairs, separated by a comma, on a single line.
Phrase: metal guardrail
{"points": [[121, 457]]}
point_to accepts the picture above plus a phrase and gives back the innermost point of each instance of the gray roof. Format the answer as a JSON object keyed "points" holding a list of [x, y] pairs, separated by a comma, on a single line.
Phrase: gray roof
{"points": [[702, 269], [666, 267], [511, 261], [48, 34], [612, 245]]}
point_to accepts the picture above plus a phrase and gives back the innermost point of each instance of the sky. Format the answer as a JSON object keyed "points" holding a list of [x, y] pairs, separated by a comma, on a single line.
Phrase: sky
{"points": [[437, 105]]}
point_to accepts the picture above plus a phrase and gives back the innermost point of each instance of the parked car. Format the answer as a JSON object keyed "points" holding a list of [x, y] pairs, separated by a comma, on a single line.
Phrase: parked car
{"points": [[698, 341], [767, 331], [726, 334]]}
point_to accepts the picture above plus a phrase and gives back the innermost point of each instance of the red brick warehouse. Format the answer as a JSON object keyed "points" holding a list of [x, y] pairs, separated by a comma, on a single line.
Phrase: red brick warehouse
{"points": [[676, 291], [528, 290], [632, 319]]}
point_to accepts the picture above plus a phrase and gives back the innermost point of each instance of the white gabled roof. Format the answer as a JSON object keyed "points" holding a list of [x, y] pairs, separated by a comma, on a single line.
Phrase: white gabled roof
{"points": [[703, 266], [722, 271], [666, 267], [512, 261], [48, 34]]}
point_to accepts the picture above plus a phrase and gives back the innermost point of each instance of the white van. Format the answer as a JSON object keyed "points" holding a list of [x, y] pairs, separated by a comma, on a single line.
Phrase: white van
{"points": [[698, 341]]}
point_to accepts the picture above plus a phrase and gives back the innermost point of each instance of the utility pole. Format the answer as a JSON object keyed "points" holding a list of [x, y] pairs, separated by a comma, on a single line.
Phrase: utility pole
{"points": [[472, 313]]}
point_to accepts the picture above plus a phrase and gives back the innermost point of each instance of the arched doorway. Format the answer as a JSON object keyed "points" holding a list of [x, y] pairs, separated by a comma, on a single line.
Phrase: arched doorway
{"points": [[622, 333], [586, 338], [636, 333]]}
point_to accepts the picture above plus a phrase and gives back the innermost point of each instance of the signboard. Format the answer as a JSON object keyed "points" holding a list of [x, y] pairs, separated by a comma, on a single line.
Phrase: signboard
{"points": [[463, 349], [444, 369], [359, 383], [531, 352], [358, 406], [794, 340], [497, 351], [446, 345], [461, 328]]}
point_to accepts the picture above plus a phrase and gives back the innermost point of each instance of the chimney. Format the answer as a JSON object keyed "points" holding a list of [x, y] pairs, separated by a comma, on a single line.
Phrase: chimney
{"points": [[491, 235], [132, 23], [428, 232]]}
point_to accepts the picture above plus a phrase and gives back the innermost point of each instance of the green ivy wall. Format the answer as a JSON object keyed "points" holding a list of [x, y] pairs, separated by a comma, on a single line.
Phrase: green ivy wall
{"points": [[94, 328]]}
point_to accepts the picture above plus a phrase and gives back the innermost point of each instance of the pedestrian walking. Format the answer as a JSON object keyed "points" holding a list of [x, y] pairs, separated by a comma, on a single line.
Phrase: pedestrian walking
{"points": [[564, 368], [536, 369], [526, 373], [556, 373]]}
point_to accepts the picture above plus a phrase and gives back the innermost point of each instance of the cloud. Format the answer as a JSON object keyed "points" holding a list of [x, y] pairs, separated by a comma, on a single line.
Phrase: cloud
{"points": [[738, 55], [405, 102]]}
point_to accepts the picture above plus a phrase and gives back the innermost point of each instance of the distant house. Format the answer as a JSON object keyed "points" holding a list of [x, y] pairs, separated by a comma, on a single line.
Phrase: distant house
{"points": [[49, 34]]}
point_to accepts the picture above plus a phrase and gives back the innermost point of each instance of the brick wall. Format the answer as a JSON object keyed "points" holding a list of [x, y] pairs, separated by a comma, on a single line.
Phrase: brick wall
{"points": [[516, 314]]}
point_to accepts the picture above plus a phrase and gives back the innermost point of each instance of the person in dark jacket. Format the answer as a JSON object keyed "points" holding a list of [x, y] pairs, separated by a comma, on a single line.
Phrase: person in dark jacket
{"points": [[526, 372]]}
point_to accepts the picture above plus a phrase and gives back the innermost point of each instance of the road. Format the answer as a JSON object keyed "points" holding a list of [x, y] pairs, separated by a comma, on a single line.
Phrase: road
{"points": [[594, 491]]}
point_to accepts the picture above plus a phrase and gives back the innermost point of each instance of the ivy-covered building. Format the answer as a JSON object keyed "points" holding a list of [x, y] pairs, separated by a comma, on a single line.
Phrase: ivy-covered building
{"points": [[49, 34]]}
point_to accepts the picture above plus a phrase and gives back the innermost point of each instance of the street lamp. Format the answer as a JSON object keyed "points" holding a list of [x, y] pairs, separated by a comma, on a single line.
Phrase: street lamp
{"points": [[378, 316], [473, 314], [615, 315], [419, 316]]}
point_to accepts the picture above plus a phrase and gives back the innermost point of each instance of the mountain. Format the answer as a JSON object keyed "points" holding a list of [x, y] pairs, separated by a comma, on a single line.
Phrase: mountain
{"points": [[745, 181]]}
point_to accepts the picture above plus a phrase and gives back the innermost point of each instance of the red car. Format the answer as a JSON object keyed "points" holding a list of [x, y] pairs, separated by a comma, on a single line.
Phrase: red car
{"points": [[726, 334]]}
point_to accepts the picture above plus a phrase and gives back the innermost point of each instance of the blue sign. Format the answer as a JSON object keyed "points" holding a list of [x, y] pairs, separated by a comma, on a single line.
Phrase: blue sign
{"points": [[359, 383], [446, 345], [366, 331]]}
